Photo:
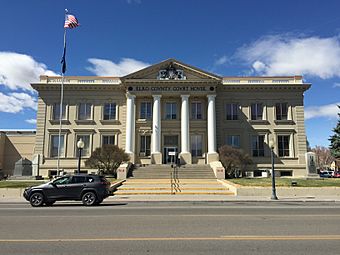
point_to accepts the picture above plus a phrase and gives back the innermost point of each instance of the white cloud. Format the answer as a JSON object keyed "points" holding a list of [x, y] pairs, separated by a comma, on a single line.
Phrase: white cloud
{"points": [[329, 111], [31, 121], [16, 102], [287, 55], [103, 67], [336, 85], [222, 60], [17, 71]]}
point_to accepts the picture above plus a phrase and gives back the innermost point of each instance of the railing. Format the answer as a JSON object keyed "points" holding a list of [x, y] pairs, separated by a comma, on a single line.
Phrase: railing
{"points": [[174, 181]]}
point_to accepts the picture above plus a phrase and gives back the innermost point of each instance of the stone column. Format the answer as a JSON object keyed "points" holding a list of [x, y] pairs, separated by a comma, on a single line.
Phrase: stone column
{"points": [[185, 154], [130, 126], [212, 154], [156, 155]]}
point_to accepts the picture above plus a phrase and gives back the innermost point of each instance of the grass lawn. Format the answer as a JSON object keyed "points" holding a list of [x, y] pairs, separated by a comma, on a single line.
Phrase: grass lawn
{"points": [[287, 182], [19, 184]]}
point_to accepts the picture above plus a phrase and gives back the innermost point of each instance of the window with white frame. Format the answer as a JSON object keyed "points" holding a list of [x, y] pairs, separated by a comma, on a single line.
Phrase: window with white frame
{"points": [[54, 146], [283, 142], [258, 145], [170, 111], [145, 145], [145, 110], [231, 111], [196, 145], [233, 140], [86, 150], [196, 110], [281, 111], [56, 112], [84, 111], [256, 111], [110, 111], [108, 139]]}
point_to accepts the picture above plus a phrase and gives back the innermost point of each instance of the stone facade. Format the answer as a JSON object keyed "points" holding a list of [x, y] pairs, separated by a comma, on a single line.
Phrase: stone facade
{"points": [[173, 107]]}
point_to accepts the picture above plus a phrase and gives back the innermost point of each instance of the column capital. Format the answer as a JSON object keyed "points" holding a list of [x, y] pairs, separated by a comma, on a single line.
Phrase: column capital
{"points": [[185, 96], [156, 96], [211, 96], [130, 96]]}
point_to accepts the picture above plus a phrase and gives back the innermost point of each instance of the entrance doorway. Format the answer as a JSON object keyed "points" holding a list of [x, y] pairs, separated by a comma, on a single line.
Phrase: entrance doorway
{"points": [[170, 149]]}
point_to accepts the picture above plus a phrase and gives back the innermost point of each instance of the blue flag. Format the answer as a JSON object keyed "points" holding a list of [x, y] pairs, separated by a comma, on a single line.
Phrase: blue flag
{"points": [[63, 60]]}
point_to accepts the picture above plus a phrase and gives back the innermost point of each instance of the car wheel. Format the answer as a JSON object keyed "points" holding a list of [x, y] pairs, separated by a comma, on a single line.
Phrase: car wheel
{"points": [[49, 203], [37, 199], [89, 198]]}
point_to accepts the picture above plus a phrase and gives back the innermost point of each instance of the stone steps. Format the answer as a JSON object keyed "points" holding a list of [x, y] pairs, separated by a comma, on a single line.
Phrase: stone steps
{"points": [[163, 187]]}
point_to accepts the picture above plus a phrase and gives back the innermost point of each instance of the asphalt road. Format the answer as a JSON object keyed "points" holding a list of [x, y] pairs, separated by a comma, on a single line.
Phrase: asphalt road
{"points": [[171, 228]]}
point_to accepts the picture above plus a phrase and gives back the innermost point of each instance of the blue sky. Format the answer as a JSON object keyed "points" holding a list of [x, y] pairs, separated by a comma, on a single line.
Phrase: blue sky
{"points": [[229, 38]]}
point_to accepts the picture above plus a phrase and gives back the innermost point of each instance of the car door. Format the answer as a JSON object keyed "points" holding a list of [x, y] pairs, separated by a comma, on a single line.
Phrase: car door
{"points": [[75, 187], [57, 188]]}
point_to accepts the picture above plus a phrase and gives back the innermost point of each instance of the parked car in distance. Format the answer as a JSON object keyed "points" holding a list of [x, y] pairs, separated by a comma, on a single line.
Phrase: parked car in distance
{"points": [[88, 188], [326, 174], [336, 175]]}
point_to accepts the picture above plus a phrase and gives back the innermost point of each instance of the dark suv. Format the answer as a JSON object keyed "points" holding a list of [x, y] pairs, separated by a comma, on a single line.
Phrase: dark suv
{"points": [[90, 189]]}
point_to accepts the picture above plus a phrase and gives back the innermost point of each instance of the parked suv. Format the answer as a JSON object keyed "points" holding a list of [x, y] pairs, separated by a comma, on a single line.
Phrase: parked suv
{"points": [[88, 188]]}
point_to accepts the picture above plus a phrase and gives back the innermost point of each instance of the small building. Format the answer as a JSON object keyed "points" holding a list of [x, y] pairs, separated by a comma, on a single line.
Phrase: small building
{"points": [[173, 107], [335, 165], [15, 145]]}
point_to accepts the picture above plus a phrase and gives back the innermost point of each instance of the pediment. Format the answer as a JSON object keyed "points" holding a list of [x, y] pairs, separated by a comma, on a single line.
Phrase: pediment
{"points": [[170, 70]]}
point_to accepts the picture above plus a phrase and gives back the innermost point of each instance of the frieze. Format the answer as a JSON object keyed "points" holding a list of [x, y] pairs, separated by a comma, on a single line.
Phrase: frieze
{"points": [[170, 88]]}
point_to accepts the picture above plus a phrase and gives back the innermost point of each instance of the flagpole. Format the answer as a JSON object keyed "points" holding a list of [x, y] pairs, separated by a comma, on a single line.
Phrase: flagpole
{"points": [[61, 104]]}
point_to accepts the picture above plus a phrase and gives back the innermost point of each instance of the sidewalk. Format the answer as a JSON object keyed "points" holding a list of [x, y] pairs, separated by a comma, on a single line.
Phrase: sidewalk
{"points": [[197, 198]]}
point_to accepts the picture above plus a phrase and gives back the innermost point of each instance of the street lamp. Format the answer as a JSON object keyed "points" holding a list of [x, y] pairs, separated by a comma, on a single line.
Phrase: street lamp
{"points": [[80, 146], [271, 145]]}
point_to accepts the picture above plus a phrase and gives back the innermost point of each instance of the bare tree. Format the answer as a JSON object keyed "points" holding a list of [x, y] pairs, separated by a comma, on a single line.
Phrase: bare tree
{"points": [[323, 155], [107, 159], [235, 161]]}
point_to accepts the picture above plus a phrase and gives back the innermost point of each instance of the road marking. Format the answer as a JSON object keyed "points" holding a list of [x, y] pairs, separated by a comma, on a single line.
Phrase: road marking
{"points": [[220, 238], [321, 216]]}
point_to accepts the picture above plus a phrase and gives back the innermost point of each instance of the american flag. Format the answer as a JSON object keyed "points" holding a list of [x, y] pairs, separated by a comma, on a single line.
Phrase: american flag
{"points": [[71, 21]]}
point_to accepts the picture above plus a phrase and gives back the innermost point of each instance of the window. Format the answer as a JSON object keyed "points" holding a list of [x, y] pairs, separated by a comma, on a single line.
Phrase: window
{"points": [[196, 145], [233, 140], [78, 179], [86, 150], [110, 111], [196, 110], [145, 110], [145, 141], [281, 111], [84, 111], [170, 111], [256, 111], [108, 139], [258, 146], [56, 112], [283, 144], [231, 111], [62, 180], [54, 145]]}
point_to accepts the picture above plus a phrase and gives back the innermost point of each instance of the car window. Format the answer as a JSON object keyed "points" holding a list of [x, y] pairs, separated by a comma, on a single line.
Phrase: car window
{"points": [[78, 179], [62, 180]]}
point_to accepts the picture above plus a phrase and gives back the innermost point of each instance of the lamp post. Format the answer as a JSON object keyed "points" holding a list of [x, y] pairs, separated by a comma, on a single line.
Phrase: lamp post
{"points": [[80, 146], [271, 145]]}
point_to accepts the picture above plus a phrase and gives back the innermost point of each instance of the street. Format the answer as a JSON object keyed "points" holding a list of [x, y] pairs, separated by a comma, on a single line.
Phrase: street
{"points": [[171, 228]]}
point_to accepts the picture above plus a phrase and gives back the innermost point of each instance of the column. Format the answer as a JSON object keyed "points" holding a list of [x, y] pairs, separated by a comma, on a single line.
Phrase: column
{"points": [[185, 154], [156, 155], [212, 154], [130, 126]]}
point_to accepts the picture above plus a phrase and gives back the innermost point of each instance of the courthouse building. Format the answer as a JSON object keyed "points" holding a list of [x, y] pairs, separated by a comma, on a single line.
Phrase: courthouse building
{"points": [[173, 107]]}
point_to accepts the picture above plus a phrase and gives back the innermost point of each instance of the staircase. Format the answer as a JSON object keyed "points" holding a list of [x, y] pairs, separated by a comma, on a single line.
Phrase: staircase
{"points": [[164, 171], [163, 187]]}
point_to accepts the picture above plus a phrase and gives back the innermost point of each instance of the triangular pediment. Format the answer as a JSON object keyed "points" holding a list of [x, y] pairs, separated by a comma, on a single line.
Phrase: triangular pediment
{"points": [[171, 69]]}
